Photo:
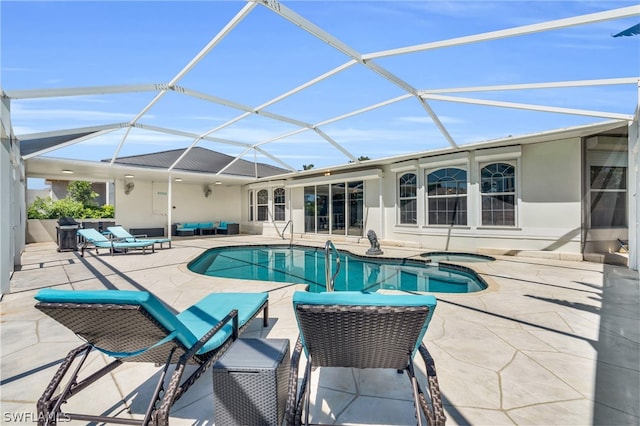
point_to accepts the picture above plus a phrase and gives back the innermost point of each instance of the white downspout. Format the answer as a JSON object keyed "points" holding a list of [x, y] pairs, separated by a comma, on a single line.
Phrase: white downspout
{"points": [[634, 187], [169, 206]]}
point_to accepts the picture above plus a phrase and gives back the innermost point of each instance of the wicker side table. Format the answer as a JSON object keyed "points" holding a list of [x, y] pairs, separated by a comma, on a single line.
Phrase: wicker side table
{"points": [[250, 383]]}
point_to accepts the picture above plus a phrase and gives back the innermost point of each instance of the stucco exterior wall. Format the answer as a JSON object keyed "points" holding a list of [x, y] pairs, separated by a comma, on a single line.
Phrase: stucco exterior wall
{"points": [[146, 206], [551, 194], [548, 212]]}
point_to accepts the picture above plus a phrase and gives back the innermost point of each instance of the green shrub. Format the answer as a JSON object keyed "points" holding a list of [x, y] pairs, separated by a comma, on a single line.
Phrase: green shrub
{"points": [[45, 208], [79, 204], [40, 208]]}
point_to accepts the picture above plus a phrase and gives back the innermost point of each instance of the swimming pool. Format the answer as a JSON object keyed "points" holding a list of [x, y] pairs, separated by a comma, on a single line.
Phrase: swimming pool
{"points": [[306, 265]]}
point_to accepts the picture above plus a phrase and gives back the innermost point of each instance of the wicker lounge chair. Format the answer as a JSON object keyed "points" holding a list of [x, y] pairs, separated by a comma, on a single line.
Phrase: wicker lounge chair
{"points": [[122, 235], [363, 330], [135, 326], [97, 240]]}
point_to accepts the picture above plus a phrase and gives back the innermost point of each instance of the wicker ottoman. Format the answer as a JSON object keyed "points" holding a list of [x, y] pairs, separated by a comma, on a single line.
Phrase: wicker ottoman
{"points": [[250, 383]]}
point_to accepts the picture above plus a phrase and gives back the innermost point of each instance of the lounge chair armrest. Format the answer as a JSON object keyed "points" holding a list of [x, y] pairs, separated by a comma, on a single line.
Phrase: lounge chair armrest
{"points": [[173, 392], [231, 316], [292, 417], [115, 239]]}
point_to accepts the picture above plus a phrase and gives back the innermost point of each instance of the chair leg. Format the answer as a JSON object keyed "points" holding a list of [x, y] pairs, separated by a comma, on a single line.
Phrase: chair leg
{"points": [[158, 390], [292, 416], [49, 407], [265, 315], [307, 390], [415, 390]]}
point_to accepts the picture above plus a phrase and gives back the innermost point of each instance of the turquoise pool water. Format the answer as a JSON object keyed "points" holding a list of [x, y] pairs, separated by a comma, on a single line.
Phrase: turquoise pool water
{"points": [[306, 265]]}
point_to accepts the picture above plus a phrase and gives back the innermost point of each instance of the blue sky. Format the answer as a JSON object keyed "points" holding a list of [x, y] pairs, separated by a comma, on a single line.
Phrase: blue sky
{"points": [[76, 44]]}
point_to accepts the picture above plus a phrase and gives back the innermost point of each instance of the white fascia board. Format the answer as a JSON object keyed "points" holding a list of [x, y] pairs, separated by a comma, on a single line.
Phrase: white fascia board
{"points": [[502, 153], [404, 166], [440, 161], [369, 174], [267, 184]]}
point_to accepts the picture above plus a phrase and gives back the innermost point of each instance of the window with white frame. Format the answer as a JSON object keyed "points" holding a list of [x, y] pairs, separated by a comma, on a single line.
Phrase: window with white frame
{"points": [[279, 199], [263, 205], [608, 196], [498, 191], [251, 205], [447, 197], [408, 198]]}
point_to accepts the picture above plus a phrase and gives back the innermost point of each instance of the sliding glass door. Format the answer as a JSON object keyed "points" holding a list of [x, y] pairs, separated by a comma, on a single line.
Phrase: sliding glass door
{"points": [[336, 209]]}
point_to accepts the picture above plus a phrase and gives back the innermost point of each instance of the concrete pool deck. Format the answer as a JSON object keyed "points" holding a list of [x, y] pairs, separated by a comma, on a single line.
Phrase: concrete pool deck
{"points": [[550, 342]]}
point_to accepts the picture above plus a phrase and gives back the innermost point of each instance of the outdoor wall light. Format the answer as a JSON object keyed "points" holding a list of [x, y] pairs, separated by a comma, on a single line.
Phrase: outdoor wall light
{"points": [[128, 176], [178, 179], [67, 172], [128, 187], [218, 183]]}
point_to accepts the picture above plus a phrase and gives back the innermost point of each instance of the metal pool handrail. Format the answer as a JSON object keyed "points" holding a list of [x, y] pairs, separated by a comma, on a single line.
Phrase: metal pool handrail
{"points": [[290, 222], [327, 268]]}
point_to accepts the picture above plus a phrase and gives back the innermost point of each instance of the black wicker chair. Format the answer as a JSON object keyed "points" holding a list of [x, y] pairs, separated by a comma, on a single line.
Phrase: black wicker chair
{"points": [[362, 330], [134, 326]]}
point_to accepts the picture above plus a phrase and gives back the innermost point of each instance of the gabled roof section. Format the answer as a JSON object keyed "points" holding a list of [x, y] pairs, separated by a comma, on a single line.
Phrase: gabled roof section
{"points": [[201, 160]]}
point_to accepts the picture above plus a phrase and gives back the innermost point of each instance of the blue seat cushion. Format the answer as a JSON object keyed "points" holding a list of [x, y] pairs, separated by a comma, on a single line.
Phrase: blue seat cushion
{"points": [[358, 298], [190, 325], [124, 297], [92, 235], [202, 316]]}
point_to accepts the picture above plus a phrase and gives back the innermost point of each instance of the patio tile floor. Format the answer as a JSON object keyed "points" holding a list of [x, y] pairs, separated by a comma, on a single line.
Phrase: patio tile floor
{"points": [[550, 342]]}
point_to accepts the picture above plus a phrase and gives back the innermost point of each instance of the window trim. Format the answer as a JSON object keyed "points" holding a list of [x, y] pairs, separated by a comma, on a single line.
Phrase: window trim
{"points": [[399, 176], [515, 163], [258, 205], [428, 197], [283, 204]]}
